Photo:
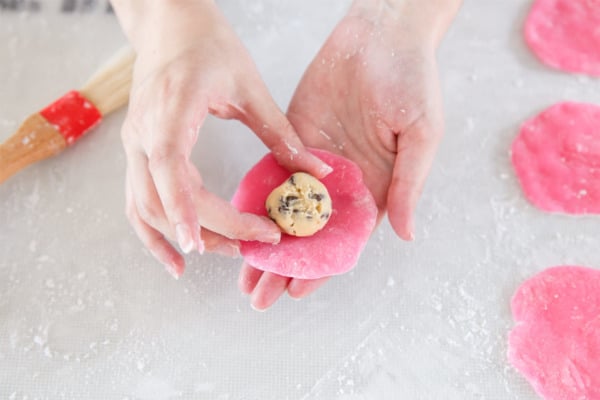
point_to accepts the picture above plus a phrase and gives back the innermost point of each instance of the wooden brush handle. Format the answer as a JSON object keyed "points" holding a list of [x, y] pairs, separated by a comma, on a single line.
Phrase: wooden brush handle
{"points": [[35, 140], [60, 124], [65, 120]]}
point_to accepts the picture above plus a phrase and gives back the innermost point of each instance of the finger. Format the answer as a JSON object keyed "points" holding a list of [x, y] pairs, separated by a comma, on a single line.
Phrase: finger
{"points": [[269, 288], [219, 216], [416, 150], [299, 288], [215, 243], [171, 140], [170, 173], [213, 213], [248, 278], [147, 202], [263, 116], [154, 240]]}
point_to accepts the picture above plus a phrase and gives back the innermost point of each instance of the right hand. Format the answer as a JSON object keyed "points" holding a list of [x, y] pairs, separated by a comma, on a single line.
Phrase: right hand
{"points": [[190, 63]]}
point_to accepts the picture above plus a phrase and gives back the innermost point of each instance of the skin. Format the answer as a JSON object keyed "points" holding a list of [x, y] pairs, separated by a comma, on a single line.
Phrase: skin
{"points": [[390, 127], [371, 95], [190, 63]]}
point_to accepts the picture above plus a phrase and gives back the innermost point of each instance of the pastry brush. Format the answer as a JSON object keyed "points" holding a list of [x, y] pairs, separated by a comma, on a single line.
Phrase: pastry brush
{"points": [[60, 124]]}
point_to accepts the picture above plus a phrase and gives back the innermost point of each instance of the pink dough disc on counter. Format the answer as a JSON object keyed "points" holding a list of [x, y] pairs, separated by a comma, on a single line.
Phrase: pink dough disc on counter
{"points": [[557, 159], [565, 34], [331, 251], [556, 341]]}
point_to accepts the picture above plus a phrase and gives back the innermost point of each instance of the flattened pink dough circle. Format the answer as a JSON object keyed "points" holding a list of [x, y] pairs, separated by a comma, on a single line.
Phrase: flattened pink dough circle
{"points": [[333, 250], [565, 34], [557, 159], [556, 341]]}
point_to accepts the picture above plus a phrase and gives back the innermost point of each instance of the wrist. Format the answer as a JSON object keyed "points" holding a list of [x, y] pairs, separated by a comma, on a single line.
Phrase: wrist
{"points": [[423, 21], [145, 21]]}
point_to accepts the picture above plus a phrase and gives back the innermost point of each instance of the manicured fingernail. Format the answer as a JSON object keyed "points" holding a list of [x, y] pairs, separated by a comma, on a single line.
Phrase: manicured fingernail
{"points": [[232, 250], [228, 249], [171, 270], [197, 237], [271, 238], [326, 169], [258, 309], [184, 238]]}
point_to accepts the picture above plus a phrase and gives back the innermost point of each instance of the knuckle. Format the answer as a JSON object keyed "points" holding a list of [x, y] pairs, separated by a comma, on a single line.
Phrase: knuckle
{"points": [[163, 157], [226, 110], [286, 139], [155, 243], [428, 129], [167, 87], [422, 134], [148, 211], [157, 159], [286, 129], [126, 134]]}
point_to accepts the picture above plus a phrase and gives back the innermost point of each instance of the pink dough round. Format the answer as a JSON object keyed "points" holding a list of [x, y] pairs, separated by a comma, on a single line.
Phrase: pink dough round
{"points": [[331, 251], [557, 159], [556, 341], [565, 34]]}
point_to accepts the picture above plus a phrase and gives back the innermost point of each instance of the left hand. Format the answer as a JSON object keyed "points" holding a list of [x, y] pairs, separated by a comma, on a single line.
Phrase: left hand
{"points": [[371, 95], [191, 63]]}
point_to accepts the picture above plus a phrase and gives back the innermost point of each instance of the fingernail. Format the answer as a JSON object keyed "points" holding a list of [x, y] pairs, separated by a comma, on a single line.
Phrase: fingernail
{"points": [[201, 246], [258, 309], [228, 249], [237, 253], [266, 231], [273, 238], [411, 236], [172, 271], [326, 169], [184, 238], [232, 251]]}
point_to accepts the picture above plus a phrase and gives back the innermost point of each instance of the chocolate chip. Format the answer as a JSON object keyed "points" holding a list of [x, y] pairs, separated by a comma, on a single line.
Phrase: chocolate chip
{"points": [[316, 196], [290, 200], [283, 209]]}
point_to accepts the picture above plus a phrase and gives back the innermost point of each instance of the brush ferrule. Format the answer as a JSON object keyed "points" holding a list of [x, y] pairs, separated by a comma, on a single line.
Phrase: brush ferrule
{"points": [[72, 115]]}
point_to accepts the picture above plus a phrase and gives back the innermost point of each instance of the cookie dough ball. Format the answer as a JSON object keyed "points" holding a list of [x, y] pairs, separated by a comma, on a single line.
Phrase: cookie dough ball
{"points": [[301, 206]]}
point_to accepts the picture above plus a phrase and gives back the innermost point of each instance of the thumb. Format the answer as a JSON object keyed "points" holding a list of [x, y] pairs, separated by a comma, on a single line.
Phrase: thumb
{"points": [[416, 149]]}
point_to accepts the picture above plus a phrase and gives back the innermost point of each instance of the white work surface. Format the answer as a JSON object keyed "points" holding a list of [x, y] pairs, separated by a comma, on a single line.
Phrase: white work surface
{"points": [[86, 313]]}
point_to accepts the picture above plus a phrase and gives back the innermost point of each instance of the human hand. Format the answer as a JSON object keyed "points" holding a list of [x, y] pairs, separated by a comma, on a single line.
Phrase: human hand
{"points": [[190, 63], [371, 95]]}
